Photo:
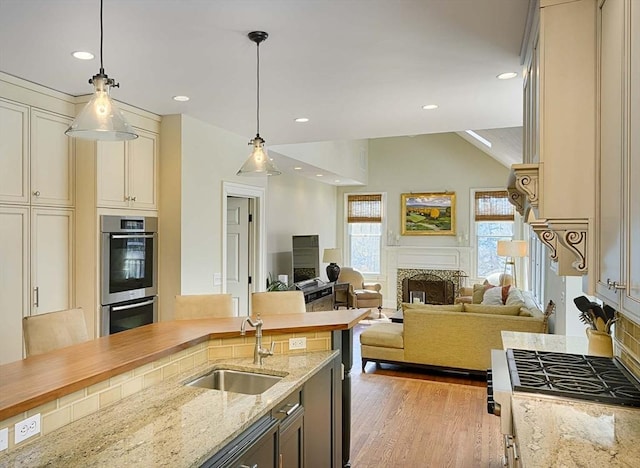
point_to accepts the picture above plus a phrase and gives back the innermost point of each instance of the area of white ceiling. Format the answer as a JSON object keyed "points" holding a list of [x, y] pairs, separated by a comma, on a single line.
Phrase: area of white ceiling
{"points": [[356, 68]]}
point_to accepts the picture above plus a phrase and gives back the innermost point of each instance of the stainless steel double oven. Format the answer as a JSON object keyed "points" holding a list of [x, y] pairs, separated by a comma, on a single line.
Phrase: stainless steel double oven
{"points": [[129, 276]]}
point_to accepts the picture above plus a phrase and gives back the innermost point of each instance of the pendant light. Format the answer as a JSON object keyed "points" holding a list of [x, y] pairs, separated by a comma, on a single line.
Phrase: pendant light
{"points": [[259, 163], [101, 119]]}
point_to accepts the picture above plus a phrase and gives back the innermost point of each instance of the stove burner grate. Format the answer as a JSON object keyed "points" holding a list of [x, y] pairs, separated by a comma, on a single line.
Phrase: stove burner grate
{"points": [[572, 375]]}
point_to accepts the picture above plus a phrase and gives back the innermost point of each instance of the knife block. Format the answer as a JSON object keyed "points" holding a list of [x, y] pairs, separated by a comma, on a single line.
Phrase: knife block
{"points": [[600, 343]]}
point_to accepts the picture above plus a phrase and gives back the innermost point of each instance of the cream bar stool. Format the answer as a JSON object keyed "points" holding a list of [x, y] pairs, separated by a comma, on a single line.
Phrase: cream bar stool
{"points": [[203, 306], [53, 330], [277, 302]]}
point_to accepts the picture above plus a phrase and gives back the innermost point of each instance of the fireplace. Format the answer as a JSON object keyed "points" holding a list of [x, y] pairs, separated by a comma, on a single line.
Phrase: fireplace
{"points": [[428, 286]]}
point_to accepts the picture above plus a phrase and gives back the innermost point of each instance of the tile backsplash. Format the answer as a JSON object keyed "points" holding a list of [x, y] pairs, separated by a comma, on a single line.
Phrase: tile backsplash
{"points": [[627, 336]]}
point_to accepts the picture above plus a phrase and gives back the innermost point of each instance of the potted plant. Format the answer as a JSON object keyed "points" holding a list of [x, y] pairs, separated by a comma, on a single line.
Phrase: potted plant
{"points": [[275, 284]]}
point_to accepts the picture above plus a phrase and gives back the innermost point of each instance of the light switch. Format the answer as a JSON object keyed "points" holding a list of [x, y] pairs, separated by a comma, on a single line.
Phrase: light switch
{"points": [[217, 279]]}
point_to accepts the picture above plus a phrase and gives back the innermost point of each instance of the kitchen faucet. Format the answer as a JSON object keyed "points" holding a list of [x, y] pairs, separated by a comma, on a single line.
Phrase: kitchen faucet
{"points": [[258, 352]]}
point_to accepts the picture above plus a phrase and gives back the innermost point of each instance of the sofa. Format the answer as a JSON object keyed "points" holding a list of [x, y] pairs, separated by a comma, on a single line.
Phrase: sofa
{"points": [[455, 337]]}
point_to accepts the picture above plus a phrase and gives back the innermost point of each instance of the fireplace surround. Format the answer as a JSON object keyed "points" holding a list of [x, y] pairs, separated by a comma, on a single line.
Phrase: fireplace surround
{"points": [[438, 286]]}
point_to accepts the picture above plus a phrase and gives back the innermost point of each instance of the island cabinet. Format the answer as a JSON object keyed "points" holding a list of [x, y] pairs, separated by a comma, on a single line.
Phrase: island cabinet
{"points": [[618, 192]]}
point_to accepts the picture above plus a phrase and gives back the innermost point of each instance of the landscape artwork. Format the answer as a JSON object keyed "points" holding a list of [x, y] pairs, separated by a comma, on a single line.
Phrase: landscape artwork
{"points": [[429, 214]]}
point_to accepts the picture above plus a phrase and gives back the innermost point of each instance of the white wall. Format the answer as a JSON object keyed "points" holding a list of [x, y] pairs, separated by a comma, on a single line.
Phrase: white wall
{"points": [[298, 206]]}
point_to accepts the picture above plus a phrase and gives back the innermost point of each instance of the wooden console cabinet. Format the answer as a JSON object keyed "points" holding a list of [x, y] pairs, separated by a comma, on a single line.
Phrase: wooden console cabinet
{"points": [[317, 295]]}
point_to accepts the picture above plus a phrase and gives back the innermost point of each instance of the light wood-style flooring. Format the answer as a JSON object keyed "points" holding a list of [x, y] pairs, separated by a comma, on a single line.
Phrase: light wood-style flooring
{"points": [[404, 417]]}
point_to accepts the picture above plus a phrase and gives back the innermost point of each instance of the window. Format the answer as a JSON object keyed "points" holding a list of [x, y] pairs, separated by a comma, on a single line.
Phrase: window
{"points": [[364, 231], [494, 221]]}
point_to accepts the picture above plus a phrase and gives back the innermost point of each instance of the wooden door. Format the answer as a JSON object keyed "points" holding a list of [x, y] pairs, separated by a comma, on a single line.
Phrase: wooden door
{"points": [[52, 160], [14, 151], [143, 174], [238, 253], [14, 279], [51, 259]]}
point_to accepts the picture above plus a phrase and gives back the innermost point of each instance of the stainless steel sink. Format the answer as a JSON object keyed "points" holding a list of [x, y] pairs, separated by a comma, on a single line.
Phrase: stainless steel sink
{"points": [[229, 380]]}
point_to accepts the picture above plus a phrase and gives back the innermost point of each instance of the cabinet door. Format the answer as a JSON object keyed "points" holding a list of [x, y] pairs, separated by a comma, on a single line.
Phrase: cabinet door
{"points": [[112, 174], [143, 170], [51, 259], [609, 205], [291, 441], [14, 279], [52, 160], [631, 295], [319, 404], [14, 151]]}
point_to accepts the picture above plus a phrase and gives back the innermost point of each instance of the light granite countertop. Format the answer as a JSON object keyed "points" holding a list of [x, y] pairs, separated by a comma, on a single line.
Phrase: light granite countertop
{"points": [[168, 424], [570, 433], [562, 433]]}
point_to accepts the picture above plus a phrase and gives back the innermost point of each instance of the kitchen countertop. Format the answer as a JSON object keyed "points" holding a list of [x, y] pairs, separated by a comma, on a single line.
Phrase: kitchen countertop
{"points": [[545, 342], [168, 424], [568, 433], [39, 379], [562, 433]]}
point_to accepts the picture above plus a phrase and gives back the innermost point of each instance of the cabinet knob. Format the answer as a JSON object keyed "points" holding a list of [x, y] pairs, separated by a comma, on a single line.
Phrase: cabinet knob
{"points": [[133, 198], [36, 193], [615, 285]]}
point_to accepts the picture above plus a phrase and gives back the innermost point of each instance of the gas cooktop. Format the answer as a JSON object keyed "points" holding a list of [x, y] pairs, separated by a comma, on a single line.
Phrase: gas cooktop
{"points": [[591, 378]]}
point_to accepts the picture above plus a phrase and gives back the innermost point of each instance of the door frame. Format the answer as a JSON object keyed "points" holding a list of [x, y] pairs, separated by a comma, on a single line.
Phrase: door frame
{"points": [[257, 233]]}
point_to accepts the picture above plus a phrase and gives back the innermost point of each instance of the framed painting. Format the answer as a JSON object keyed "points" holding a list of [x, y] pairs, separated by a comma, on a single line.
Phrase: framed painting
{"points": [[428, 214]]}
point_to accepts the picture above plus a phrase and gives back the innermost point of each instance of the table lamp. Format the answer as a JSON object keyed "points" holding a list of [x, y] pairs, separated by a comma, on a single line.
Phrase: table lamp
{"points": [[512, 249], [332, 257]]}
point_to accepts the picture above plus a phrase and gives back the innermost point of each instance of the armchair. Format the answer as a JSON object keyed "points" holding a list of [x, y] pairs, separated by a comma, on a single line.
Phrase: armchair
{"points": [[360, 294]]}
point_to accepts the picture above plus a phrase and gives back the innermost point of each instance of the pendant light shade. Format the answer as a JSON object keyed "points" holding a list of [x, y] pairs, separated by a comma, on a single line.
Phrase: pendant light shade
{"points": [[258, 163], [101, 119]]}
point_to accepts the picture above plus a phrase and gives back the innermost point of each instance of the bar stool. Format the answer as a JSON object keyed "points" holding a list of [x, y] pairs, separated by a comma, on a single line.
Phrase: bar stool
{"points": [[53, 330]]}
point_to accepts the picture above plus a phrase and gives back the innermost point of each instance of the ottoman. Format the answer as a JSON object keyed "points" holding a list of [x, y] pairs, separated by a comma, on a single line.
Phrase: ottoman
{"points": [[382, 342]]}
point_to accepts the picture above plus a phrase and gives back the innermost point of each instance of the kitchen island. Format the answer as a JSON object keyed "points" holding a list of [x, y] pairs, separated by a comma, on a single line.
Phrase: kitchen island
{"points": [[553, 431], [142, 370]]}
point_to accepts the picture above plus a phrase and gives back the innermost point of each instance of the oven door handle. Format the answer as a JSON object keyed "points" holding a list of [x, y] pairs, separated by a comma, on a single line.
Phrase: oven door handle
{"points": [[133, 306], [132, 236]]}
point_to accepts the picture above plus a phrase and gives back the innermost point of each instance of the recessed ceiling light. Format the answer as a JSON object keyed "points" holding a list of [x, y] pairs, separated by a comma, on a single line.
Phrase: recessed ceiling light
{"points": [[337, 181], [430, 107], [319, 175], [81, 55], [507, 76], [297, 168], [301, 120], [181, 98]]}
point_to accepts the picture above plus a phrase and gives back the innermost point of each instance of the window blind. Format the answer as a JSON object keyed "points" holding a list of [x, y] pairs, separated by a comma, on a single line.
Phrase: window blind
{"points": [[493, 206], [364, 208]]}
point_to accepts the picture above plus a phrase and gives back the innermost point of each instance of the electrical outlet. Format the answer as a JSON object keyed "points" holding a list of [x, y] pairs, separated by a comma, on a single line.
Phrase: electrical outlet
{"points": [[27, 428], [298, 343], [4, 439]]}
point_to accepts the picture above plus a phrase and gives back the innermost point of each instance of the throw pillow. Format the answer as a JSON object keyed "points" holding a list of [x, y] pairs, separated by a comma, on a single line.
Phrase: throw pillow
{"points": [[492, 296], [515, 297], [491, 309], [434, 307], [478, 292]]}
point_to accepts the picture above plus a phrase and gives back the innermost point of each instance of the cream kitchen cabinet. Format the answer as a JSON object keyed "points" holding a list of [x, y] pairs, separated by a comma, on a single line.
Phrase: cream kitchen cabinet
{"points": [[37, 164], [127, 172], [52, 160], [14, 148], [36, 269], [618, 194], [14, 279]]}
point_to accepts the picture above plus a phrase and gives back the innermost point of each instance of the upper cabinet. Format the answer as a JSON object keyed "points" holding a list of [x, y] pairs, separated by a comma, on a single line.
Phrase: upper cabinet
{"points": [[14, 148], [37, 164], [127, 172], [52, 160], [553, 188], [618, 201]]}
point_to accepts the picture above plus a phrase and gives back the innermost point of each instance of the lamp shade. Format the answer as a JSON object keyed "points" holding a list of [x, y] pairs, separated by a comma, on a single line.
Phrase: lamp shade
{"points": [[332, 256], [512, 248], [258, 163]]}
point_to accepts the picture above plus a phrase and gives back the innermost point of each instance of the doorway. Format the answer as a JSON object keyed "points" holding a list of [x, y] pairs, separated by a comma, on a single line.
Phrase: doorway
{"points": [[243, 243]]}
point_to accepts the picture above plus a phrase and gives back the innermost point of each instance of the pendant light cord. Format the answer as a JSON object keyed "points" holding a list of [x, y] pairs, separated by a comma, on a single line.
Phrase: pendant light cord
{"points": [[257, 89], [101, 40]]}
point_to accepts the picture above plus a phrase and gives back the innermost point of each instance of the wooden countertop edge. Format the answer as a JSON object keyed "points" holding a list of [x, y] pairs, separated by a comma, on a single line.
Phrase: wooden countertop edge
{"points": [[31, 382]]}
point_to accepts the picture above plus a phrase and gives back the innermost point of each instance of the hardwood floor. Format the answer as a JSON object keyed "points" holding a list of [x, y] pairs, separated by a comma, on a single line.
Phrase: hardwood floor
{"points": [[404, 417]]}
